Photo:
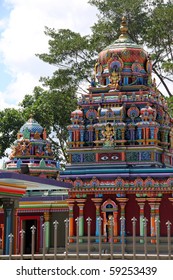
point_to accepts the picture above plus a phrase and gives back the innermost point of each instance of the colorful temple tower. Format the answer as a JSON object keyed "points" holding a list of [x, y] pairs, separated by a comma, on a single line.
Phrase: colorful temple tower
{"points": [[120, 146], [41, 196], [32, 153]]}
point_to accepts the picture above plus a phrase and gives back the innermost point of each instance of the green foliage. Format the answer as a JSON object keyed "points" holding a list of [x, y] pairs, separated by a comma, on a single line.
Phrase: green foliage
{"points": [[107, 29], [71, 53], [170, 105], [10, 122]]}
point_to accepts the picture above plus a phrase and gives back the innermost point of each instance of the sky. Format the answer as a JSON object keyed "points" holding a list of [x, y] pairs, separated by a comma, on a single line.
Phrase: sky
{"points": [[22, 25]]}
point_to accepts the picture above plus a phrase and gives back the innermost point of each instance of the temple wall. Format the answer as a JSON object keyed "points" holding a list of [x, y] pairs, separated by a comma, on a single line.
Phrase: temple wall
{"points": [[166, 211]]}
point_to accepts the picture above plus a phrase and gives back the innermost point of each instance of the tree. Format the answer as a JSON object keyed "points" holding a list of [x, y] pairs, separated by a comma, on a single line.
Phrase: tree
{"points": [[10, 122], [159, 38], [72, 54]]}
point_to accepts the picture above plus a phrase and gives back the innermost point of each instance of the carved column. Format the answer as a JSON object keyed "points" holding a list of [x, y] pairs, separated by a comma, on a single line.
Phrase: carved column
{"points": [[141, 203], [16, 235], [47, 229], [122, 202], [8, 205], [71, 217], [154, 205], [97, 202], [81, 203], [123, 135], [147, 132]]}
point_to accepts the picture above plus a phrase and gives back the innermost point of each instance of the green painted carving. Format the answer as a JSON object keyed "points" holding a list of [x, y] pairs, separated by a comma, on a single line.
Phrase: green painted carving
{"points": [[26, 134], [42, 163], [132, 156]]}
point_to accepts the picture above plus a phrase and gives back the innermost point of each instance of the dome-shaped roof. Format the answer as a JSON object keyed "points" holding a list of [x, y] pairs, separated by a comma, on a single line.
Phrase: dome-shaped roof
{"points": [[123, 47], [148, 113], [77, 112], [32, 125], [123, 57]]}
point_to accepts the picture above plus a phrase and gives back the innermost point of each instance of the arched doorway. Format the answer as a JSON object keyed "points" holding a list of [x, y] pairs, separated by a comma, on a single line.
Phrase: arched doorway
{"points": [[110, 211]]}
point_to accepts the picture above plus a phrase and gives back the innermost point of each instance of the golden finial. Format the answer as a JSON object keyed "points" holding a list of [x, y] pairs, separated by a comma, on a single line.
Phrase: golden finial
{"points": [[124, 28]]}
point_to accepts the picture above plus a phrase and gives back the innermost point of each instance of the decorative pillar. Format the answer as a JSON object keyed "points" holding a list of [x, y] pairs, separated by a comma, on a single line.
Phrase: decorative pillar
{"points": [[77, 135], [47, 229], [123, 135], [16, 235], [147, 132], [70, 136], [140, 135], [156, 133], [115, 224], [2, 240], [71, 218], [80, 204], [97, 202], [8, 206], [152, 134], [90, 131], [122, 202], [144, 135], [97, 137], [154, 205], [81, 135], [141, 203]]}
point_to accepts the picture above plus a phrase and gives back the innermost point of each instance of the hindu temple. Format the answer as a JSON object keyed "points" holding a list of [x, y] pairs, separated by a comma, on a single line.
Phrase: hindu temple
{"points": [[120, 146], [120, 150]]}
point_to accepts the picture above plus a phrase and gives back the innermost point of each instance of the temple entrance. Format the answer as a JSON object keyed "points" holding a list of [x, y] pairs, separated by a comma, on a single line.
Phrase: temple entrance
{"points": [[27, 224], [110, 212]]}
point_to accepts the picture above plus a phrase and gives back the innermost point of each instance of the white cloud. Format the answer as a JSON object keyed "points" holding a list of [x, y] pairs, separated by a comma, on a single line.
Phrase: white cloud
{"points": [[23, 37]]}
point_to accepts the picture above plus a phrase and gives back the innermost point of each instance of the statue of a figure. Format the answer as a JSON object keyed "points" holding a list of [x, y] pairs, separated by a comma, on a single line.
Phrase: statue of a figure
{"points": [[25, 148], [16, 150], [109, 227], [37, 135], [108, 133]]}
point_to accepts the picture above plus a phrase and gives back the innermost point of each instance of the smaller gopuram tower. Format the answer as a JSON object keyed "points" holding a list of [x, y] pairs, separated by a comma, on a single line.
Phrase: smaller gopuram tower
{"points": [[121, 146], [32, 152], [41, 196]]}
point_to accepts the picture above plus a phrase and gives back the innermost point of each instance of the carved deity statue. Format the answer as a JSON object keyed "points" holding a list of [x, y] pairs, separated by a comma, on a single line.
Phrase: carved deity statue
{"points": [[108, 133], [109, 228], [16, 150], [37, 135]]}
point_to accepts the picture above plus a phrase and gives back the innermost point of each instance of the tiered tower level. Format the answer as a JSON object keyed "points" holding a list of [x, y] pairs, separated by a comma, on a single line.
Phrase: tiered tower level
{"points": [[32, 152], [121, 141]]}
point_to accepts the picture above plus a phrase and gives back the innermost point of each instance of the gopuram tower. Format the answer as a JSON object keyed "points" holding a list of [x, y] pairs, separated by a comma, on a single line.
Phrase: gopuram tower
{"points": [[120, 147]]}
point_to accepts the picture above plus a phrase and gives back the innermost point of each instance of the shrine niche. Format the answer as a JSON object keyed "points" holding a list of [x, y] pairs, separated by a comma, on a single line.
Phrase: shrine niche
{"points": [[108, 135], [109, 210]]}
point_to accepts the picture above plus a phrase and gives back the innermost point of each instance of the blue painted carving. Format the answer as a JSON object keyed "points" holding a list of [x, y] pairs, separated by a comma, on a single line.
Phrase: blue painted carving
{"points": [[146, 156], [76, 158]]}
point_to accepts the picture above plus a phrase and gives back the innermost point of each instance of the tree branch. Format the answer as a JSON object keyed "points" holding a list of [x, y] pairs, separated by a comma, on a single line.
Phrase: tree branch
{"points": [[163, 82]]}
